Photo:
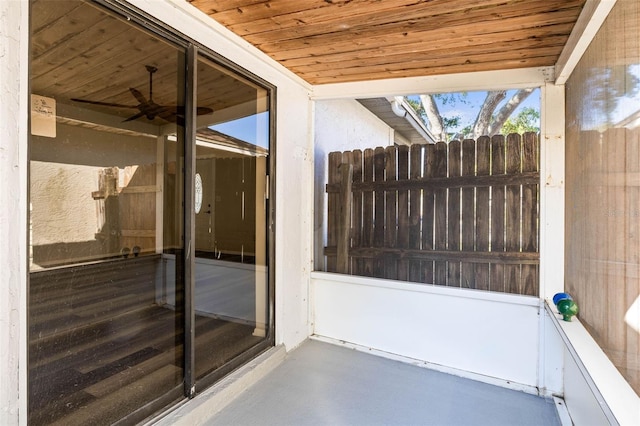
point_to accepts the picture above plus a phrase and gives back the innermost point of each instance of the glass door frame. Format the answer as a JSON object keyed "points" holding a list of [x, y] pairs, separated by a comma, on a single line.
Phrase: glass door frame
{"points": [[192, 384], [193, 50]]}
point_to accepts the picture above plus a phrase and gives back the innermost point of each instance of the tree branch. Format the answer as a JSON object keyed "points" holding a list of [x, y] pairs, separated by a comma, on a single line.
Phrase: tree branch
{"points": [[506, 111], [434, 117], [481, 126]]}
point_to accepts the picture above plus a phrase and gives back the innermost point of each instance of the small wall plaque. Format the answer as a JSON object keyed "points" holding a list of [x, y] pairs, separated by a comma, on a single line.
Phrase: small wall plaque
{"points": [[43, 116]]}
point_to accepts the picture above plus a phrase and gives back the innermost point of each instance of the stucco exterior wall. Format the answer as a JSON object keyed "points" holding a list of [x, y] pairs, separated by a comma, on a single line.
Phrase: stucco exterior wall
{"points": [[339, 125], [56, 190], [61, 182]]}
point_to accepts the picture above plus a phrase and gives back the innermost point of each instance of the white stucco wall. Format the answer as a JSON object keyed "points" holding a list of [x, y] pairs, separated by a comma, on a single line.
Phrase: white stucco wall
{"points": [[13, 23], [340, 125], [56, 190]]}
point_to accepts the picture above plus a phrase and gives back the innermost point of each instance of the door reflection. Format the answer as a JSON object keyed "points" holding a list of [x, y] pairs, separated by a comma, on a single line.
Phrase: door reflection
{"points": [[231, 275]]}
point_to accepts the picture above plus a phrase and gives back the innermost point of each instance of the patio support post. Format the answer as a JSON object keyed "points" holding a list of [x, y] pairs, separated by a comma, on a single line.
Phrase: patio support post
{"points": [[552, 141], [14, 92], [552, 186]]}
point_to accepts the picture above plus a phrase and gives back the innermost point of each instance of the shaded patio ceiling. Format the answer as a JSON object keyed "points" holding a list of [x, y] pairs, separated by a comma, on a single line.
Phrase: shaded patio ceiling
{"points": [[334, 41]]}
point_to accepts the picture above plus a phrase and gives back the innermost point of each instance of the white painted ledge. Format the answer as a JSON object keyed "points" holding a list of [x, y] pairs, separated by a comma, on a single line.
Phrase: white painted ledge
{"points": [[618, 401], [464, 293], [481, 80]]}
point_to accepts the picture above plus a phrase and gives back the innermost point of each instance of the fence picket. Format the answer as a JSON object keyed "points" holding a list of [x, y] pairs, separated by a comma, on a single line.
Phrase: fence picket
{"points": [[467, 279], [402, 241], [367, 212], [378, 210], [497, 213], [512, 213], [356, 264], [391, 216], [428, 223], [453, 215], [529, 213], [335, 159], [415, 205], [483, 148], [440, 213], [343, 261]]}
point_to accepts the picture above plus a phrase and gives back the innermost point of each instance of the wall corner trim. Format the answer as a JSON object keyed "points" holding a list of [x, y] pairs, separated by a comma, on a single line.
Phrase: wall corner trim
{"points": [[591, 18]]}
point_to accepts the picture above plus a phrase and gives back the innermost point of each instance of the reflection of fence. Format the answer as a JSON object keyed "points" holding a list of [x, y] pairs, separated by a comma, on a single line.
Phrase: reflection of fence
{"points": [[127, 209], [463, 214], [603, 241]]}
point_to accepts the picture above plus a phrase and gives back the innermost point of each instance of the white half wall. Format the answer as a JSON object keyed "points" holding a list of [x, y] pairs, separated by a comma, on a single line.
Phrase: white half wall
{"points": [[487, 336]]}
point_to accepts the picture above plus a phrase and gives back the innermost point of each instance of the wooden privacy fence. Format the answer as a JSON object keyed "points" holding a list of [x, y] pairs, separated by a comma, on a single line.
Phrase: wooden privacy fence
{"points": [[463, 214]]}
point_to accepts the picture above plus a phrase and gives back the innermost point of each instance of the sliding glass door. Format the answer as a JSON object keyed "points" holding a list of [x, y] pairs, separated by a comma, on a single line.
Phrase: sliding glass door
{"points": [[231, 275], [113, 290]]}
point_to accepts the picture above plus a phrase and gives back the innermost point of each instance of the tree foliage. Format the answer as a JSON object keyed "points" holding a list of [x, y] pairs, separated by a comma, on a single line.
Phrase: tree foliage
{"points": [[525, 121], [494, 116]]}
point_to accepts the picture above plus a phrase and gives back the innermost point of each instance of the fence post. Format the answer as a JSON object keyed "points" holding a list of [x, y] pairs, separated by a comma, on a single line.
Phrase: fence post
{"points": [[344, 219]]}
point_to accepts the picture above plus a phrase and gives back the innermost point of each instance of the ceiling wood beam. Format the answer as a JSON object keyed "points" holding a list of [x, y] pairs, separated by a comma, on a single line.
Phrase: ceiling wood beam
{"points": [[445, 70], [458, 82], [428, 66], [81, 116]]}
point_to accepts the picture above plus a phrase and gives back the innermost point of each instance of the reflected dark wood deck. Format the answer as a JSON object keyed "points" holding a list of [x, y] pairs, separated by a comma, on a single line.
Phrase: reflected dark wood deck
{"points": [[100, 346]]}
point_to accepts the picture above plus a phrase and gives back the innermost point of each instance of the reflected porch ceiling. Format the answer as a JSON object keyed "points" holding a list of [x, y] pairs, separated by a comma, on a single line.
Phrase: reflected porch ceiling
{"points": [[335, 41]]}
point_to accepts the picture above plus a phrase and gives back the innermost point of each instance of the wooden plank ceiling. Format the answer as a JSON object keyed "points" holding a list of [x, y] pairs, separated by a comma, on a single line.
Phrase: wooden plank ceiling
{"points": [[332, 41]]}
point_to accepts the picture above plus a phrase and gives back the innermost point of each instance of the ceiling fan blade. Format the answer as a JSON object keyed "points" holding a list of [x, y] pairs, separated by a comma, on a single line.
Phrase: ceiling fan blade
{"points": [[168, 114], [139, 96], [204, 110], [134, 117], [199, 111], [172, 118], [109, 104], [148, 108]]}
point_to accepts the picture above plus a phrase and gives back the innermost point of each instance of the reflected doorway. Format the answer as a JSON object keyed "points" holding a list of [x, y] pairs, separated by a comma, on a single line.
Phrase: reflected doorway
{"points": [[231, 273], [231, 204]]}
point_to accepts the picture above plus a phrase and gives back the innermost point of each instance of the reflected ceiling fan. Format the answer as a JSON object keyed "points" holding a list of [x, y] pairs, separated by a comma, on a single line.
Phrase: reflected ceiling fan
{"points": [[148, 108]]}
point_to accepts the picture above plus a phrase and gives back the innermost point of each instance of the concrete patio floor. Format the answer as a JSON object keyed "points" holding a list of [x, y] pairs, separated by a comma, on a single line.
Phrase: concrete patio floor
{"points": [[324, 384]]}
